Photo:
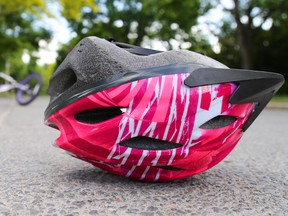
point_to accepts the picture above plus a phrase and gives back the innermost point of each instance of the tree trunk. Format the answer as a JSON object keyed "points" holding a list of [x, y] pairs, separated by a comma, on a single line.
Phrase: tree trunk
{"points": [[244, 39]]}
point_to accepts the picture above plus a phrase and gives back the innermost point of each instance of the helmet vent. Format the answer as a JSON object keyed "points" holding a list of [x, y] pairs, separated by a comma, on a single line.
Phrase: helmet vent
{"points": [[98, 115], [171, 168], [146, 143], [218, 122]]}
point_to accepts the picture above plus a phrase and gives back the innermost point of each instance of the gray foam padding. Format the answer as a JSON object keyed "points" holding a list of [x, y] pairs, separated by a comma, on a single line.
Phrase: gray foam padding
{"points": [[94, 59]]}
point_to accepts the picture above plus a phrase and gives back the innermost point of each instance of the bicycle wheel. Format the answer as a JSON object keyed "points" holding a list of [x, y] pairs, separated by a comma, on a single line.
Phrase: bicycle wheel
{"points": [[31, 87]]}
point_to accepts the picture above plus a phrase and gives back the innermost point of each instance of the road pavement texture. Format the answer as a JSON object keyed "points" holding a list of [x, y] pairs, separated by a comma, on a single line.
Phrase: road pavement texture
{"points": [[39, 179]]}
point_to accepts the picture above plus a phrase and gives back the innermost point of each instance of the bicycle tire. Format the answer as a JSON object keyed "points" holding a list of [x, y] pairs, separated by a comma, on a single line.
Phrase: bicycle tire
{"points": [[24, 97]]}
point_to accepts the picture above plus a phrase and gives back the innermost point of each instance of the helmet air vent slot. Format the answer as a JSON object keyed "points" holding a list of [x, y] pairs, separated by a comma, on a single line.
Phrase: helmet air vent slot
{"points": [[171, 168], [146, 143], [218, 122], [98, 115]]}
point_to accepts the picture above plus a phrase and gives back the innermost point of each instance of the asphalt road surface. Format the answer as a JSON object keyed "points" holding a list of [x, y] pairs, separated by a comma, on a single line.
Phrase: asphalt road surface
{"points": [[39, 179]]}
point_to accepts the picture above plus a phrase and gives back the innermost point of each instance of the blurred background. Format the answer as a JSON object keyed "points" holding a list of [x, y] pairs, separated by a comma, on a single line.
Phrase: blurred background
{"points": [[36, 35]]}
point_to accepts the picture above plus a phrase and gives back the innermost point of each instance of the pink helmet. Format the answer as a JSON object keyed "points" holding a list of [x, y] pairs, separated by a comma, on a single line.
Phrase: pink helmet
{"points": [[151, 115]]}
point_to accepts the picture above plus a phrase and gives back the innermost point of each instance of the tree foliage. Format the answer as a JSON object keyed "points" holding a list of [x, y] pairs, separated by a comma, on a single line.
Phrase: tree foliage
{"points": [[20, 30], [72, 10], [253, 35], [17, 33], [18, 6], [135, 21]]}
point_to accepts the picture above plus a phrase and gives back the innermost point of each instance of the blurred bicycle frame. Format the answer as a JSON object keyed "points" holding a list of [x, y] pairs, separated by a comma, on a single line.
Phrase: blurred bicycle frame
{"points": [[26, 90]]}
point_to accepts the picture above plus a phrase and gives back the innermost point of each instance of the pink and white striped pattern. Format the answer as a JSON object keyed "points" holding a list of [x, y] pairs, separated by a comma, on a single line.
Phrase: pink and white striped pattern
{"points": [[161, 108]]}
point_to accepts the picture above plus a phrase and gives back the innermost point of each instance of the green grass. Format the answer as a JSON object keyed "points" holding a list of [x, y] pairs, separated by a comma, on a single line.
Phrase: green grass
{"points": [[280, 98], [6, 94]]}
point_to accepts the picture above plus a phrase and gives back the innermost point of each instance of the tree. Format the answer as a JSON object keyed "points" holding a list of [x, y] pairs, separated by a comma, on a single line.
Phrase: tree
{"points": [[73, 10], [252, 18], [253, 35], [135, 21], [17, 32]]}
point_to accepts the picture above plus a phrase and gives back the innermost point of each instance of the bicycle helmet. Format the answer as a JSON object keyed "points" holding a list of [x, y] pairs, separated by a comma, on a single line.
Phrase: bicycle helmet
{"points": [[151, 115]]}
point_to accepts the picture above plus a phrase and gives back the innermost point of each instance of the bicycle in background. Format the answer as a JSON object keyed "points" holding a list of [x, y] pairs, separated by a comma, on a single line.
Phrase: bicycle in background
{"points": [[26, 90]]}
